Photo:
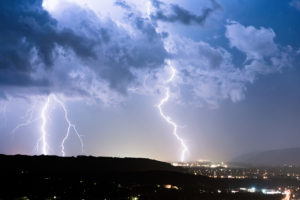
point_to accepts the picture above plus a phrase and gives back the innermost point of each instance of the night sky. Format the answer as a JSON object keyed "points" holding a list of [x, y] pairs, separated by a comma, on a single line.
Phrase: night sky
{"points": [[226, 73]]}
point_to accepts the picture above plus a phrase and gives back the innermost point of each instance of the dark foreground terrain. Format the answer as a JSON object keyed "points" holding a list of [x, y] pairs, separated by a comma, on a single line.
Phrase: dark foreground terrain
{"points": [[51, 177]]}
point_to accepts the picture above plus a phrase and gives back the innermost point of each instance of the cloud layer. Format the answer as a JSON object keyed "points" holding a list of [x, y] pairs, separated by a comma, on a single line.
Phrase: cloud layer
{"points": [[101, 58]]}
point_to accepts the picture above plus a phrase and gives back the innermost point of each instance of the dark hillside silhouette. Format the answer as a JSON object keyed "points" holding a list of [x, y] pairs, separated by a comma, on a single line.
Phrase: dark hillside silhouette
{"points": [[52, 177]]}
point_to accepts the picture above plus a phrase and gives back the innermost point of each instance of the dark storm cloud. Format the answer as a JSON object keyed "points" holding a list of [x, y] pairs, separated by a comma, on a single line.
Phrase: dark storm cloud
{"points": [[18, 78], [27, 29], [182, 15], [35, 48], [144, 50]]}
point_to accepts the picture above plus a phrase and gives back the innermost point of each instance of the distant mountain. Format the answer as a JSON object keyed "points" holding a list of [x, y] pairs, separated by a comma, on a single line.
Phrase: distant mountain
{"points": [[277, 157]]}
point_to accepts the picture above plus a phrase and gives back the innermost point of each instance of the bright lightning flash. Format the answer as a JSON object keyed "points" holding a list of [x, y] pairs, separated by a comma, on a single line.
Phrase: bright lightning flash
{"points": [[44, 122], [44, 117], [168, 119], [70, 126]]}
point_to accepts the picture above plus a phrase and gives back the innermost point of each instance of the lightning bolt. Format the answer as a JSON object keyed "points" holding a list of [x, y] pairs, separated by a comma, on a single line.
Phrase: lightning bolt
{"points": [[30, 120], [167, 97], [44, 117], [44, 133], [70, 126], [168, 119]]}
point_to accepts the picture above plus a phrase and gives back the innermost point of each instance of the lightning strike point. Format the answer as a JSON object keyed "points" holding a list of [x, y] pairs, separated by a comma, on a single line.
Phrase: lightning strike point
{"points": [[169, 119]]}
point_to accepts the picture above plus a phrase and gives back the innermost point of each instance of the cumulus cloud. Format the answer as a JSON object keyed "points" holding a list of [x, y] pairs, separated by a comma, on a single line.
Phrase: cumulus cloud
{"points": [[181, 15], [263, 54], [256, 43], [208, 75]]}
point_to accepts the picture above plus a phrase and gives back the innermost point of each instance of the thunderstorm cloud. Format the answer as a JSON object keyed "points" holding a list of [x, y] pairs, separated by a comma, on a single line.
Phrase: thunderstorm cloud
{"points": [[80, 53]]}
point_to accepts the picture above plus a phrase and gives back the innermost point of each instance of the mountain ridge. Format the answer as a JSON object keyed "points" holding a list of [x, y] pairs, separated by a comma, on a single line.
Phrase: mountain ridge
{"points": [[94, 164], [275, 157]]}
